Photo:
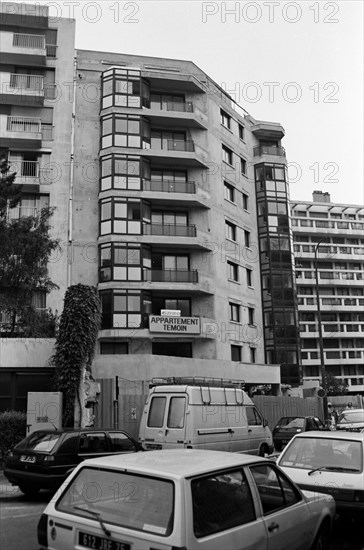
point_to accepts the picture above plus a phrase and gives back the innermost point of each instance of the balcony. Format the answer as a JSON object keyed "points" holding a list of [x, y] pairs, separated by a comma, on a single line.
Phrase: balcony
{"points": [[270, 130], [169, 152], [269, 150], [169, 230], [159, 186], [20, 131], [22, 89], [170, 275], [29, 172], [173, 113], [23, 49]]}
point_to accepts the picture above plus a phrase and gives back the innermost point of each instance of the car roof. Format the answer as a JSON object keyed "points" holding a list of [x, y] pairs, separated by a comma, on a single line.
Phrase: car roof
{"points": [[75, 430], [332, 435], [175, 463]]}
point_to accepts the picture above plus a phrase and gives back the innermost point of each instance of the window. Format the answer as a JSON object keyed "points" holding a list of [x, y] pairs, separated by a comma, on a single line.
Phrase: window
{"points": [[170, 141], [124, 88], [176, 413], [227, 155], [156, 412], [229, 192], [243, 166], [181, 304], [125, 131], [234, 312], [230, 230], [114, 348], [120, 216], [121, 309], [246, 238], [29, 205], [252, 354], [123, 172], [275, 489], [249, 277], [236, 354], [122, 262], [120, 442], [221, 501], [253, 416], [245, 201], [241, 132], [233, 271], [225, 119]]}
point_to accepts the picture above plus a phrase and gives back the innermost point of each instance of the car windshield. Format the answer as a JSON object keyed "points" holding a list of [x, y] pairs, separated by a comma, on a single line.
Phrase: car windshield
{"points": [[292, 422], [40, 441], [136, 502], [347, 417], [317, 452]]}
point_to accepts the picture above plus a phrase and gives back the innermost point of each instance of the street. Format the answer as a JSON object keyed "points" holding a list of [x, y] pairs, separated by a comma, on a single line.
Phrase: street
{"points": [[19, 518]]}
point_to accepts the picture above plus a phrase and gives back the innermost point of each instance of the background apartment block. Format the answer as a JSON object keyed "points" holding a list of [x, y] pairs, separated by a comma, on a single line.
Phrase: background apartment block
{"points": [[340, 263]]}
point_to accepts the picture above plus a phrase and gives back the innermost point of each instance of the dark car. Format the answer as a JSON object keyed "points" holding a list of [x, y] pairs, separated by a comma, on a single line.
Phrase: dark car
{"points": [[288, 426], [45, 458]]}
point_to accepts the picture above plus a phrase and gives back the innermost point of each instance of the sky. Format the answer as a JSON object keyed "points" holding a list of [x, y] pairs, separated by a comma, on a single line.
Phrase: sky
{"points": [[297, 63]]}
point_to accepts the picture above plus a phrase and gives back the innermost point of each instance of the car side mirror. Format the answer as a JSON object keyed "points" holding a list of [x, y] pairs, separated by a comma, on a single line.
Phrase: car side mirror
{"points": [[265, 423]]}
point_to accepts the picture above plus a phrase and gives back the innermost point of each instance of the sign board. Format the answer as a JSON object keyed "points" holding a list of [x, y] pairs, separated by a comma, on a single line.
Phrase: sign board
{"points": [[171, 312], [44, 411], [176, 325]]}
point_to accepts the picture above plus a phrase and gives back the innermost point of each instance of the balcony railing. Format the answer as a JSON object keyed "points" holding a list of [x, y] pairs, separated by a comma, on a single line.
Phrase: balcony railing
{"points": [[186, 107], [169, 186], [51, 50], [35, 41], [179, 145], [269, 150], [23, 124], [26, 81], [171, 275], [25, 168], [169, 230]]}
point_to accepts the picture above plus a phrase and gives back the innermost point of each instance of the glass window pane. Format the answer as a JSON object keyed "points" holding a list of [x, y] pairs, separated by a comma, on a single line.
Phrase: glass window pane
{"points": [[120, 302], [156, 412], [121, 125], [133, 126], [176, 413], [120, 209], [134, 302], [106, 126], [120, 166], [106, 210]]}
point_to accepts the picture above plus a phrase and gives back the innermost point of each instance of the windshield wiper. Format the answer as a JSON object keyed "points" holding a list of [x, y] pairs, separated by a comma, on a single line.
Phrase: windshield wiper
{"points": [[98, 516], [333, 468]]}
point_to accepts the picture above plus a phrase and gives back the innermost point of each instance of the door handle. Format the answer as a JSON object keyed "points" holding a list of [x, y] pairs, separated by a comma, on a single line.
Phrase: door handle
{"points": [[273, 527], [166, 431]]}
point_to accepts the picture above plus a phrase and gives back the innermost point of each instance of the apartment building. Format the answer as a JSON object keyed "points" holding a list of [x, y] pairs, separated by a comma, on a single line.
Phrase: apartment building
{"points": [[335, 231], [169, 197]]}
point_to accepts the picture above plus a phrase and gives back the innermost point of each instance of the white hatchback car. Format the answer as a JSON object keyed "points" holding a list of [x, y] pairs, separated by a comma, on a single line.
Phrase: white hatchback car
{"points": [[328, 462], [184, 499]]}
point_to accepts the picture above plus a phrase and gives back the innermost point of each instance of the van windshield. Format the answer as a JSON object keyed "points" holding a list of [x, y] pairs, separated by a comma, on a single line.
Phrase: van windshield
{"points": [[133, 501]]}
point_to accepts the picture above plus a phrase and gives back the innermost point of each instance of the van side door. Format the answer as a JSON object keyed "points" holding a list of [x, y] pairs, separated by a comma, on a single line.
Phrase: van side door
{"points": [[174, 434], [165, 424]]}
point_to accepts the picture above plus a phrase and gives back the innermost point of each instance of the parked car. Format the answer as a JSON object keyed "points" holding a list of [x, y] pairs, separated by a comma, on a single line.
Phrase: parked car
{"points": [[288, 426], [184, 498], [351, 419], [331, 463], [45, 458]]}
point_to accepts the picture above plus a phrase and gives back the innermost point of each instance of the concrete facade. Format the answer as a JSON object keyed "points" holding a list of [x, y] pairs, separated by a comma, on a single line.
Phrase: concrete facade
{"points": [[337, 230]]}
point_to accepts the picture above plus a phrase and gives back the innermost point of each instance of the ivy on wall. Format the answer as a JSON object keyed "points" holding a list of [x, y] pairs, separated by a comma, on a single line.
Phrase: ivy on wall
{"points": [[75, 345]]}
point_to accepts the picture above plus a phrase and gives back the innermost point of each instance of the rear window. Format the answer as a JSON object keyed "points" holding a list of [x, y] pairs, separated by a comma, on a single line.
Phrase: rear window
{"points": [[347, 417], [156, 412], [135, 502], [43, 442], [291, 422]]}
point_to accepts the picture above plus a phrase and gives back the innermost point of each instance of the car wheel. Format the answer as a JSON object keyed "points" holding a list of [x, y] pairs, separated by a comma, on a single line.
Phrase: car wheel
{"points": [[278, 446], [28, 490], [263, 450], [322, 540]]}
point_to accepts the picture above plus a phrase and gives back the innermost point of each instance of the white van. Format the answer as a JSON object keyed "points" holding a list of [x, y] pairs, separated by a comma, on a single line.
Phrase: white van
{"points": [[198, 415]]}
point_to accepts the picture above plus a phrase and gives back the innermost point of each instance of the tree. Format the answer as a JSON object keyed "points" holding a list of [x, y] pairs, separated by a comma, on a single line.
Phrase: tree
{"points": [[10, 193], [334, 385], [75, 345], [26, 247]]}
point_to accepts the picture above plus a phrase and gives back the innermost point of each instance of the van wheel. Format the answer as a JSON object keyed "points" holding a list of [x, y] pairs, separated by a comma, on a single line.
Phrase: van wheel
{"points": [[28, 490], [322, 540], [263, 450]]}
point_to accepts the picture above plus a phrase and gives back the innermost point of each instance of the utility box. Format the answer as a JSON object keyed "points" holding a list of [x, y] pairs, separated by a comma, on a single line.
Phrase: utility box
{"points": [[44, 411]]}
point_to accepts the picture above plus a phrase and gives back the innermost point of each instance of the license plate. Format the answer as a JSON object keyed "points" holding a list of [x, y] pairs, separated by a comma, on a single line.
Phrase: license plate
{"points": [[154, 446], [25, 458], [100, 543]]}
